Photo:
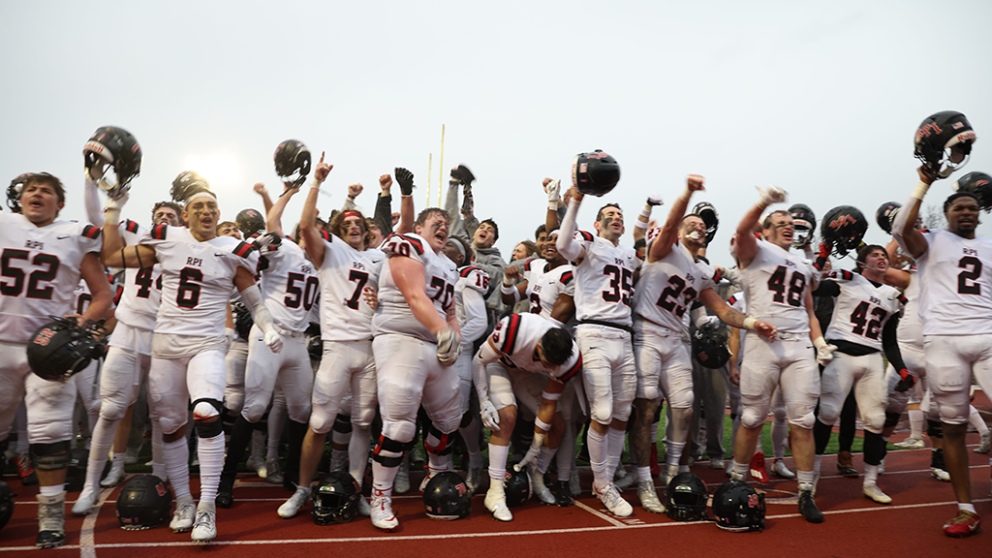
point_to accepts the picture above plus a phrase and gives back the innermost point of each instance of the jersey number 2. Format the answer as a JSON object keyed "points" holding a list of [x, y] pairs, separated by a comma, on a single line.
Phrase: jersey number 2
{"points": [[966, 279]]}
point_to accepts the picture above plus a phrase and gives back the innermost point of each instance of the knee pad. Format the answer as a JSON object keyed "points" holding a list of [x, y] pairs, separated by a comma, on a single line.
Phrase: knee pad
{"points": [[403, 430], [891, 419], [113, 409], [779, 414], [206, 408], [342, 424], [210, 429], [389, 445], [753, 418], [935, 429], [444, 444], [253, 413], [873, 421], [806, 418], [50, 457]]}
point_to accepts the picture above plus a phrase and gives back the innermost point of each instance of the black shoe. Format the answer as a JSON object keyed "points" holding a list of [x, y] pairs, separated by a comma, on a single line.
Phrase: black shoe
{"points": [[848, 472], [225, 493], [50, 539], [807, 507], [563, 494]]}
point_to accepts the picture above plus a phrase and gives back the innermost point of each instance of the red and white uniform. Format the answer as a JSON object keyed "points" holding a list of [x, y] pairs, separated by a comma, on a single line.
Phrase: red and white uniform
{"points": [[665, 294], [289, 287], [87, 380], [544, 286], [347, 364], [40, 271], [603, 294], [910, 336], [775, 284], [470, 309], [408, 371], [956, 312]]}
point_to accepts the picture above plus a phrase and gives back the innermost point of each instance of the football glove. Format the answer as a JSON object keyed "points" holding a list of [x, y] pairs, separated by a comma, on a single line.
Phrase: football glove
{"points": [[772, 194], [273, 341], [906, 380], [268, 242], [532, 453], [463, 175], [554, 191], [654, 200], [405, 180], [449, 346], [490, 416], [825, 353]]}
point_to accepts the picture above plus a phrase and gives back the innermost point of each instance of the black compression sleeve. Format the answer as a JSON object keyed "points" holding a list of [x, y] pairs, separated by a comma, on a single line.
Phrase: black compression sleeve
{"points": [[827, 288], [890, 344]]}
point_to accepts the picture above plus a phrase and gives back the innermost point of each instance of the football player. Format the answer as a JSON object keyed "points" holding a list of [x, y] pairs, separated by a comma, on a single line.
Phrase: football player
{"points": [[604, 272], [198, 268], [778, 287], [527, 359], [44, 260], [955, 267], [348, 269], [416, 340]]}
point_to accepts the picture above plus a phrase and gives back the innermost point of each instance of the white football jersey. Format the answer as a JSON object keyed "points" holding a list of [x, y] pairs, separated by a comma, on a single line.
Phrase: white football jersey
{"points": [[289, 286], [956, 284], [470, 308], [668, 288], [39, 272], [344, 274], [517, 336], [605, 281], [910, 329], [196, 279], [138, 305], [440, 274], [775, 285], [861, 309], [544, 287], [739, 303]]}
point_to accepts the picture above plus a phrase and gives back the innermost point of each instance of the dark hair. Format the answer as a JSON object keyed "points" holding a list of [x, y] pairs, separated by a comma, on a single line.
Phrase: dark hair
{"points": [[469, 254], [426, 214], [495, 227], [223, 224], [641, 243], [46, 178], [958, 195], [868, 249], [599, 215], [541, 229], [336, 226], [767, 223], [557, 345], [171, 205]]}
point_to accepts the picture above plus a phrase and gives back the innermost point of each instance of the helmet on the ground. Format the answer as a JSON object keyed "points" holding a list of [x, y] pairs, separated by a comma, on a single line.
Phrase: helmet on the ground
{"points": [[706, 212], [935, 137], [59, 349], [804, 222], [737, 507], [118, 148], [292, 160], [844, 226], [447, 498], [886, 214], [596, 173], [336, 499], [143, 503], [251, 222], [517, 486], [978, 184], [685, 498], [186, 184], [709, 348]]}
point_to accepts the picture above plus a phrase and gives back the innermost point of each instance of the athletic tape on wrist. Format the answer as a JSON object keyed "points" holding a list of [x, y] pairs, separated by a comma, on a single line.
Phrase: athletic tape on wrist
{"points": [[920, 190], [538, 423]]}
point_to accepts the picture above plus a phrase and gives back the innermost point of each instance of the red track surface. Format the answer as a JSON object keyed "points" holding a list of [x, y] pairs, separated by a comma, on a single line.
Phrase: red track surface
{"points": [[854, 526]]}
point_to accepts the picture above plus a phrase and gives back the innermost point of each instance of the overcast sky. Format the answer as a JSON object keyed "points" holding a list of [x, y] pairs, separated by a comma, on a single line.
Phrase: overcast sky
{"points": [[822, 100]]}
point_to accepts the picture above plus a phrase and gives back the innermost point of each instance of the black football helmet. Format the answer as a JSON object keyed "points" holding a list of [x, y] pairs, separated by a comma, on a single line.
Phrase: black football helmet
{"points": [[6, 504], [251, 222], [737, 507], [336, 499], [935, 137], [596, 173], [844, 227], [517, 486], [685, 498], [447, 498], [75, 475], [15, 189], [979, 184], [886, 214], [118, 148], [186, 184], [292, 158], [804, 222], [144, 503], [709, 348], [708, 214], [59, 349]]}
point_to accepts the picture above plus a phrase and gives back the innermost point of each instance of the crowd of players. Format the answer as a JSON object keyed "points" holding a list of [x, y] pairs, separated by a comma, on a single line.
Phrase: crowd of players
{"points": [[384, 330]]}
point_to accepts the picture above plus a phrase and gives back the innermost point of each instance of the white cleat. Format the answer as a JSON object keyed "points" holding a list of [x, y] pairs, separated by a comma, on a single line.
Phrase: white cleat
{"points": [[540, 490], [401, 485], [872, 492], [364, 509], [940, 474], [182, 518], [986, 443], [291, 507], [205, 528], [85, 502], [649, 498], [382, 513], [613, 501], [257, 465], [881, 467], [496, 503], [911, 443], [113, 478], [780, 470], [273, 473], [628, 480]]}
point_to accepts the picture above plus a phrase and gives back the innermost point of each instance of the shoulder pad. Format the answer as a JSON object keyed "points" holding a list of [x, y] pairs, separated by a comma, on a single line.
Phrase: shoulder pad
{"points": [[732, 300], [465, 272], [395, 243], [585, 235], [158, 231], [902, 298], [89, 231], [510, 334], [244, 249], [571, 372], [567, 277], [130, 226]]}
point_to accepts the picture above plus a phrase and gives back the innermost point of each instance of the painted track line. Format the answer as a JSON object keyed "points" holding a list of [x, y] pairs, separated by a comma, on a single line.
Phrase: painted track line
{"points": [[601, 515]]}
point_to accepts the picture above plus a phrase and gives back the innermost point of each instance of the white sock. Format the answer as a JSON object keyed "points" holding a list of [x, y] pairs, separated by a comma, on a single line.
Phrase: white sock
{"points": [[52, 490], [158, 457], [176, 456], [103, 440], [871, 474], [816, 464], [258, 446], [358, 451], [597, 458], [644, 473], [976, 420], [780, 432], [674, 452], [211, 454], [915, 423], [497, 463], [614, 444], [967, 507], [544, 459]]}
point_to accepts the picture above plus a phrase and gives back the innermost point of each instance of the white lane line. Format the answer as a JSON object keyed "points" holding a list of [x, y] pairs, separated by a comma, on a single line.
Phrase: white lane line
{"points": [[390, 538], [601, 515], [87, 542]]}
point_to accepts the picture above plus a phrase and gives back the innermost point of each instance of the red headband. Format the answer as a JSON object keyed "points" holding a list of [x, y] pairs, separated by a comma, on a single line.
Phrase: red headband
{"points": [[348, 213]]}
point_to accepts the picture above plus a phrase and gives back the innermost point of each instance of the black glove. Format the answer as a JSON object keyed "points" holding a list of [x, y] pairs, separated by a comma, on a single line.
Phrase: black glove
{"points": [[463, 175], [906, 380], [405, 180]]}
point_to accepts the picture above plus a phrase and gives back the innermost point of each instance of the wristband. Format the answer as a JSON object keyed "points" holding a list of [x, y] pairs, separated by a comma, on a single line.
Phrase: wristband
{"points": [[685, 195], [819, 343], [315, 184], [638, 224], [920, 190], [749, 324], [646, 212], [508, 290], [538, 423], [550, 396]]}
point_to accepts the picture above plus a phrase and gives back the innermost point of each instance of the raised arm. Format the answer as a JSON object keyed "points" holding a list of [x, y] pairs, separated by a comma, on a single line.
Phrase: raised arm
{"points": [[747, 245], [273, 214], [384, 206], [91, 197], [312, 239], [405, 180], [113, 253], [670, 230], [261, 191], [904, 227], [566, 244], [896, 277], [553, 189]]}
